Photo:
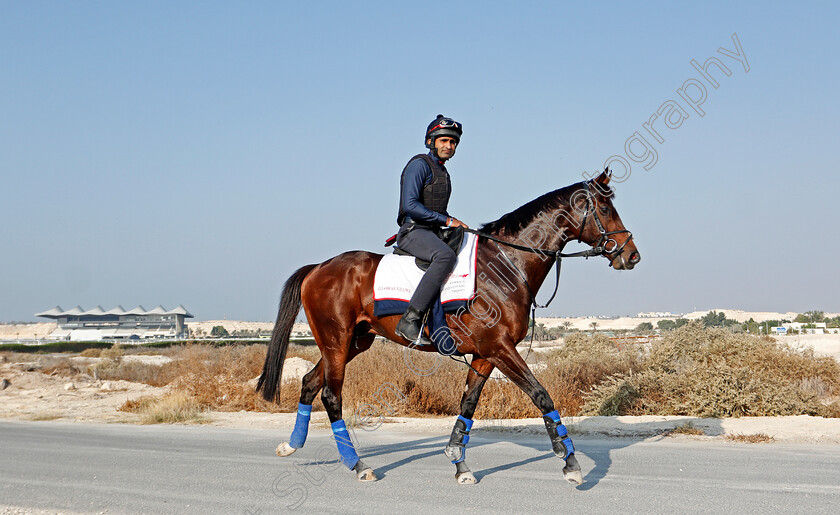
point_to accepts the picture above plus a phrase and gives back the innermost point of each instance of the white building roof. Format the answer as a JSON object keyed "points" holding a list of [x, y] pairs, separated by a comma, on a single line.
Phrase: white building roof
{"points": [[50, 312], [180, 310], [57, 312], [95, 311], [75, 311], [119, 310]]}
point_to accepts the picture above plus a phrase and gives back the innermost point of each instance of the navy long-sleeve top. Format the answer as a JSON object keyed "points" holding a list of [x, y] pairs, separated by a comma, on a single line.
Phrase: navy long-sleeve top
{"points": [[417, 176]]}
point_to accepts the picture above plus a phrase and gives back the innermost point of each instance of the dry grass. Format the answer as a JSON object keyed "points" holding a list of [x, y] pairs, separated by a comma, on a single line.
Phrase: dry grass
{"points": [[714, 373], [15, 357], [218, 378], [583, 362], [44, 417], [753, 438], [686, 429], [171, 408], [61, 367], [381, 382]]}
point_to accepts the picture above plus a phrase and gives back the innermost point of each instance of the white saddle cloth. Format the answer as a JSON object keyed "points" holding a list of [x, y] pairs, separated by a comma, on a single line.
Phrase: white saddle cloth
{"points": [[398, 276]]}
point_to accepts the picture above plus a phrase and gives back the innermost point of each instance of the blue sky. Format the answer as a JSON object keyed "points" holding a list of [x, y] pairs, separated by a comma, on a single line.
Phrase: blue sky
{"points": [[198, 153]]}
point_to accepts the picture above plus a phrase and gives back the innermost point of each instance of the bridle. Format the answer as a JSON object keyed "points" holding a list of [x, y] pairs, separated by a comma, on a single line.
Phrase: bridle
{"points": [[605, 237]]}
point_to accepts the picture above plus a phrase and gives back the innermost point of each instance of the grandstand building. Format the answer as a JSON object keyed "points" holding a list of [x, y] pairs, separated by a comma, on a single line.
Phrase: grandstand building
{"points": [[117, 324]]}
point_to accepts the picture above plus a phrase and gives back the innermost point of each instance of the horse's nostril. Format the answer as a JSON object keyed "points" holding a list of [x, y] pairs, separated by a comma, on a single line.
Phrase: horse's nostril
{"points": [[635, 257]]}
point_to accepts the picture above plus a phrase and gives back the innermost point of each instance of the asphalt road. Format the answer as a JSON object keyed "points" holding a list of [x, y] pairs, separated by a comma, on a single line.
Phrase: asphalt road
{"points": [[178, 469]]}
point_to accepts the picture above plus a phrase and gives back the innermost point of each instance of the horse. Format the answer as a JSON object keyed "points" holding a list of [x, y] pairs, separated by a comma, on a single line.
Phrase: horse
{"points": [[337, 298]]}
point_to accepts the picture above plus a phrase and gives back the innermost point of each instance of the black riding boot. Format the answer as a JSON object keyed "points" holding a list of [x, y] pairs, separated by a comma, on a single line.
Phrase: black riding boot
{"points": [[410, 326]]}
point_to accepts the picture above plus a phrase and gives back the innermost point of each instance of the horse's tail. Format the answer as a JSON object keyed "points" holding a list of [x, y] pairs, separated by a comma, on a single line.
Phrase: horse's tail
{"points": [[290, 302]]}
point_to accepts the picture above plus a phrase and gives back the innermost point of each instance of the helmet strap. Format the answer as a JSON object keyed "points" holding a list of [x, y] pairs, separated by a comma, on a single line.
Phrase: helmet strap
{"points": [[433, 148]]}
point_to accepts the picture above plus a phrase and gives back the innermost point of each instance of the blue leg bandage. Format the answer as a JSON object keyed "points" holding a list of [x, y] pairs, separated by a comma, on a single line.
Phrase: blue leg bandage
{"points": [[456, 449], [298, 437], [345, 446], [560, 441]]}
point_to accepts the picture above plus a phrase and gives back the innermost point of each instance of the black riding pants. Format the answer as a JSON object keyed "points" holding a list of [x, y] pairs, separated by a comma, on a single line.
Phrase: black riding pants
{"points": [[425, 244]]}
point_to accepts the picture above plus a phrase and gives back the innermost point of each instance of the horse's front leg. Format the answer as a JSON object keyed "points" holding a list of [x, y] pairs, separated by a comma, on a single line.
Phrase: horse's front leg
{"points": [[514, 367], [456, 448]]}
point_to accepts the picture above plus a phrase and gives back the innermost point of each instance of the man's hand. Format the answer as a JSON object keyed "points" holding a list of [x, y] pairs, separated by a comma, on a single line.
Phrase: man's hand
{"points": [[454, 222]]}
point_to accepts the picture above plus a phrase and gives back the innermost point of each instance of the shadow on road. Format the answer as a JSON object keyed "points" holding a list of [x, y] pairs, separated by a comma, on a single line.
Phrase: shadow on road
{"points": [[617, 436], [602, 455]]}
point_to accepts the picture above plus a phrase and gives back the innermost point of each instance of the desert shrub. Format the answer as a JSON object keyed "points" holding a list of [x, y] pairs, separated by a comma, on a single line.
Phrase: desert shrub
{"points": [[115, 352], [117, 369], [307, 352], [218, 378], [583, 362], [501, 399], [390, 380], [716, 373], [168, 409], [686, 429], [753, 438], [60, 366]]}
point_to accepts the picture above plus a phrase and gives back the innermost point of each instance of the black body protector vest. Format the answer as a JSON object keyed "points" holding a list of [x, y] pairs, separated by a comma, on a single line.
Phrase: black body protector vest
{"points": [[435, 195]]}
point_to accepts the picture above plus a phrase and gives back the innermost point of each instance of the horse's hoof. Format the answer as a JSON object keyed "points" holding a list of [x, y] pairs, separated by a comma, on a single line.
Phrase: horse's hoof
{"points": [[363, 472], [284, 449], [574, 477], [465, 478], [571, 472], [366, 475]]}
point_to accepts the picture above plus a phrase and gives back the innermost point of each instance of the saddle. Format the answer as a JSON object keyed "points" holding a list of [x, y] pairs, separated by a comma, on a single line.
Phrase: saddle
{"points": [[452, 236]]}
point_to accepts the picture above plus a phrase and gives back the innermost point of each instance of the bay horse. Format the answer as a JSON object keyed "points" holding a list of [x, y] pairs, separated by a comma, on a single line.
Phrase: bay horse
{"points": [[337, 297]]}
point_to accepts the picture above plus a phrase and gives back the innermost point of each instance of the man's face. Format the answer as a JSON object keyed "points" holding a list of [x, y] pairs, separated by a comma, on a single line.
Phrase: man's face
{"points": [[445, 147]]}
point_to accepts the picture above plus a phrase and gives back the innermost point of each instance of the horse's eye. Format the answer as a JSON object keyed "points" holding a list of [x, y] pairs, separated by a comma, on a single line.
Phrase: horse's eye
{"points": [[605, 209]]}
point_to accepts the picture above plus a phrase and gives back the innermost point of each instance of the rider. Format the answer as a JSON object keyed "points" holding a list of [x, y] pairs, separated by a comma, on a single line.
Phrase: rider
{"points": [[424, 195]]}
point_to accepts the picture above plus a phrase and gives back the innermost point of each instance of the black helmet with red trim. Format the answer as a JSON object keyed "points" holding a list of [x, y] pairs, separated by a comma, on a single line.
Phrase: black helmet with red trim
{"points": [[442, 126]]}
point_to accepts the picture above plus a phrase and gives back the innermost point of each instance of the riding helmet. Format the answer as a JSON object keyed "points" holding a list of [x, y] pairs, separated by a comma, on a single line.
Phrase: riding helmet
{"points": [[442, 126]]}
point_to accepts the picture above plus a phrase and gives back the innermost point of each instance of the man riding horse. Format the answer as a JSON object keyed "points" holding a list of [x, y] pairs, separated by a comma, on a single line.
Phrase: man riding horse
{"points": [[338, 298], [425, 188]]}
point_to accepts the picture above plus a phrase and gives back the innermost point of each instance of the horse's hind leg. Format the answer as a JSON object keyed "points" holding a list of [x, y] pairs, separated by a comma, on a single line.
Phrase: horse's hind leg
{"points": [[514, 367], [312, 383], [456, 448], [336, 352]]}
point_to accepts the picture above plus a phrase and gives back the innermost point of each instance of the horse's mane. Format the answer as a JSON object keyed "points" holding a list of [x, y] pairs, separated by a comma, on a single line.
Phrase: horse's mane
{"points": [[516, 220]]}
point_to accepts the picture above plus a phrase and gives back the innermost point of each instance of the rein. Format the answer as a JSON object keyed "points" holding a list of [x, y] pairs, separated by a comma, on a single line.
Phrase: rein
{"points": [[592, 252]]}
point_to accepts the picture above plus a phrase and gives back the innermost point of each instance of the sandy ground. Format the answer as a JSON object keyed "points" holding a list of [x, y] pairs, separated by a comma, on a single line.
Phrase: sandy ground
{"points": [[32, 395]]}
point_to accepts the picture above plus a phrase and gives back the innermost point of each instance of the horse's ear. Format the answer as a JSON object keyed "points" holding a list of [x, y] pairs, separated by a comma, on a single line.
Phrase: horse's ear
{"points": [[604, 178]]}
